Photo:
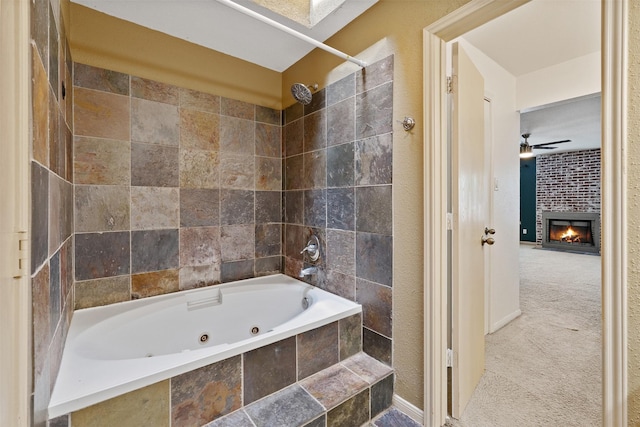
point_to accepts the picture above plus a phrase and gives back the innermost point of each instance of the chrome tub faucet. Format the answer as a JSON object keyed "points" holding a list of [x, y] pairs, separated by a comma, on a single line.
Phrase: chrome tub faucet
{"points": [[309, 271]]}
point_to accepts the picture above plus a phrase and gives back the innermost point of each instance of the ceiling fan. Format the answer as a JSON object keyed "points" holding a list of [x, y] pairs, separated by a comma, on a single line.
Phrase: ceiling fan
{"points": [[526, 149]]}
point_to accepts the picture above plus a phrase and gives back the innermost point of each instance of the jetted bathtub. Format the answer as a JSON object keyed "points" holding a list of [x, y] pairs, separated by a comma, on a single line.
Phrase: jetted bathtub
{"points": [[118, 348]]}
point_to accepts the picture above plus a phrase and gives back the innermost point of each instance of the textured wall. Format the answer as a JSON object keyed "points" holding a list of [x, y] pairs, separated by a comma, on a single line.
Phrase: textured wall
{"points": [[133, 49], [567, 182], [338, 170], [175, 188], [633, 193], [51, 198]]}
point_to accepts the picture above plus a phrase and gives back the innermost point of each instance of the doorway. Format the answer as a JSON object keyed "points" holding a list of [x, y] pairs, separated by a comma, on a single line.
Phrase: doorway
{"points": [[613, 257], [572, 126]]}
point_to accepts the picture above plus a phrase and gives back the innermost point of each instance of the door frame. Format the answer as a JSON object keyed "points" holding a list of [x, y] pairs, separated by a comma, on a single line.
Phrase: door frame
{"points": [[15, 295], [614, 218]]}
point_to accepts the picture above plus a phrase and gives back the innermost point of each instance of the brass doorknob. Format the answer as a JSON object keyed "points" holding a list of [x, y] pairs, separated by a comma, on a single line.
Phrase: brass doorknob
{"points": [[488, 240], [488, 230]]}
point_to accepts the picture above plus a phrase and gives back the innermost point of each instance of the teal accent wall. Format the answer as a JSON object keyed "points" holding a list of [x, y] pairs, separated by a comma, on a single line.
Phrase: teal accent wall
{"points": [[528, 200]]}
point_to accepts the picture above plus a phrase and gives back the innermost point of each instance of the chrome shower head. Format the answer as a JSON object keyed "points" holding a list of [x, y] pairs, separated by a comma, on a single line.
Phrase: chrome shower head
{"points": [[302, 92]]}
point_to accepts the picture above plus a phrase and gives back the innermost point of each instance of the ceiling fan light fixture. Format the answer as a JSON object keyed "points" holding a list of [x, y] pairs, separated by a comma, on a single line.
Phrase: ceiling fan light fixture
{"points": [[526, 151]]}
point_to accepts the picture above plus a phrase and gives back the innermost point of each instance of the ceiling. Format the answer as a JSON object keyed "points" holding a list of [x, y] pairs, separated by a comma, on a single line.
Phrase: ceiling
{"points": [[577, 119], [538, 35], [216, 26]]}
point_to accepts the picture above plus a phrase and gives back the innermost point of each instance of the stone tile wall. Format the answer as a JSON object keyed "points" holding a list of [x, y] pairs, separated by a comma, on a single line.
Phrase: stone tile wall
{"points": [[51, 199], [177, 189], [338, 186], [567, 182], [174, 189]]}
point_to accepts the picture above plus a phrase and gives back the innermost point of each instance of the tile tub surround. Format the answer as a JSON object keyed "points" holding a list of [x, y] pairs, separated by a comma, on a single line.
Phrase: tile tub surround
{"points": [[226, 192], [236, 392], [235, 193], [174, 189], [298, 404], [337, 185], [51, 195]]}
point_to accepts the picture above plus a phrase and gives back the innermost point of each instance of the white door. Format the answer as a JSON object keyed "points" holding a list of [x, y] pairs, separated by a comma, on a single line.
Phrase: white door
{"points": [[468, 203]]}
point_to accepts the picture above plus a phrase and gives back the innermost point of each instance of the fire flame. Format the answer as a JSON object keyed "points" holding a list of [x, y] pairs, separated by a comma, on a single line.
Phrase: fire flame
{"points": [[568, 233]]}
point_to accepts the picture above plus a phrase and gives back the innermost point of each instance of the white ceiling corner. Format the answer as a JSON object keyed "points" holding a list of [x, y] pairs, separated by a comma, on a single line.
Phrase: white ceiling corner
{"points": [[540, 34], [577, 120]]}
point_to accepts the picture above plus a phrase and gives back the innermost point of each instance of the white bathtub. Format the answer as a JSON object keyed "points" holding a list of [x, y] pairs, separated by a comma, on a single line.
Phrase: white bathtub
{"points": [[118, 348]]}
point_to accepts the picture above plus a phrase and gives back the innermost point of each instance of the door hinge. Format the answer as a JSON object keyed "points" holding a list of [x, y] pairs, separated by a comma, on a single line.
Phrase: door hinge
{"points": [[449, 358], [449, 221], [19, 245], [449, 84]]}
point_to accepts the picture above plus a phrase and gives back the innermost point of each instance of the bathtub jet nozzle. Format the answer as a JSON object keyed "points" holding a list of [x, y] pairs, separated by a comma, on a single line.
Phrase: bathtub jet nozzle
{"points": [[306, 302]]}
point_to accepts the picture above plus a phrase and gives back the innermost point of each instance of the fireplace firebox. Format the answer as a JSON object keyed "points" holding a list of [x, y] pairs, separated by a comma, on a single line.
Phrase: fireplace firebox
{"points": [[571, 231]]}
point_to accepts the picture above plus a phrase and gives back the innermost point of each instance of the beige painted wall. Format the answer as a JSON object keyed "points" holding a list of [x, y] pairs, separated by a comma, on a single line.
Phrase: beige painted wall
{"points": [[571, 79], [393, 26], [633, 238], [104, 41]]}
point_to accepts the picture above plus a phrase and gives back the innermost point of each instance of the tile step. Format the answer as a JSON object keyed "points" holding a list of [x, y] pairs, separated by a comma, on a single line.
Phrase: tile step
{"points": [[349, 393]]}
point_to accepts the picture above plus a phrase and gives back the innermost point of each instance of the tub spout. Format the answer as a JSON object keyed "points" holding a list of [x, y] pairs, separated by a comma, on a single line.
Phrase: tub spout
{"points": [[308, 271]]}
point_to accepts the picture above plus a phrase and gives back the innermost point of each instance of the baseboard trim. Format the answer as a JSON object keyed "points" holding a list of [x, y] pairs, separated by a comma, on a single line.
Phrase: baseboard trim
{"points": [[505, 320], [409, 409]]}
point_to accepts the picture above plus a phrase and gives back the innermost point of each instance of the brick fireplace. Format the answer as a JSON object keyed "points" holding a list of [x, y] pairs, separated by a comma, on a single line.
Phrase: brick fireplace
{"points": [[568, 185], [571, 231]]}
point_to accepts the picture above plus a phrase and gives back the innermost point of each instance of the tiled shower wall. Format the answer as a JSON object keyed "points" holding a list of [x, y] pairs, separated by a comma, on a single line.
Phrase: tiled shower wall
{"points": [[567, 182], [51, 199], [338, 186], [174, 189], [177, 189]]}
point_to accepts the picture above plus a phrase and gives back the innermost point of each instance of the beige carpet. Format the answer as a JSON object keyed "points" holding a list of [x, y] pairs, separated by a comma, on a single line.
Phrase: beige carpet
{"points": [[544, 368]]}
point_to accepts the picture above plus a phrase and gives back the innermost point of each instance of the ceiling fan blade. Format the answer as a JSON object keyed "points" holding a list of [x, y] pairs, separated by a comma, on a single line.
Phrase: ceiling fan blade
{"points": [[550, 143], [543, 148]]}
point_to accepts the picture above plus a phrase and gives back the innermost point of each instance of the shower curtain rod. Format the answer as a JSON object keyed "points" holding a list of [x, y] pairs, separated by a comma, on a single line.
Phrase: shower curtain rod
{"points": [[292, 32]]}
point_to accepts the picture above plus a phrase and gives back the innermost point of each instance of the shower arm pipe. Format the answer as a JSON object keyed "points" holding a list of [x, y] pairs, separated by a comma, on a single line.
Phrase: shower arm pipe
{"points": [[291, 31]]}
